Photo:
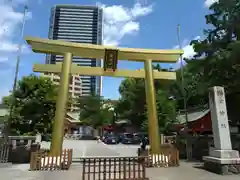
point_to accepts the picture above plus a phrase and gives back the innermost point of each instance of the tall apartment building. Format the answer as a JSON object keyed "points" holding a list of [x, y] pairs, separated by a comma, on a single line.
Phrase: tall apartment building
{"points": [[75, 86], [80, 24]]}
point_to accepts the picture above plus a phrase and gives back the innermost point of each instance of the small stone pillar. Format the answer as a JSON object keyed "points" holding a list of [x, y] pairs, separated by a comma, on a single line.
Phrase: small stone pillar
{"points": [[38, 138], [162, 138], [222, 159]]}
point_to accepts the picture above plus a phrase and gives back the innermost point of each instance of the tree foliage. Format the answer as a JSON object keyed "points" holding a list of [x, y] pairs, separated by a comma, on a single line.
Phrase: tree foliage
{"points": [[33, 106], [132, 104], [216, 62], [166, 112], [93, 112], [220, 49]]}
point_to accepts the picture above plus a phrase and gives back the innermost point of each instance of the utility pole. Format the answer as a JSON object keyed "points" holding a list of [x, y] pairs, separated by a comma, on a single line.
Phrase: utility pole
{"points": [[19, 50], [184, 94]]}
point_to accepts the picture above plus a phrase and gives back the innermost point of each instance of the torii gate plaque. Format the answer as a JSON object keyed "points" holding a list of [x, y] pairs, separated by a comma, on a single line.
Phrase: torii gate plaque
{"points": [[111, 55]]}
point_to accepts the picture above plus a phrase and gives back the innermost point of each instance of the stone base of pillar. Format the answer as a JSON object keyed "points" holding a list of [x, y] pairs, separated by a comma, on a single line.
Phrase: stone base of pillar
{"points": [[222, 162]]}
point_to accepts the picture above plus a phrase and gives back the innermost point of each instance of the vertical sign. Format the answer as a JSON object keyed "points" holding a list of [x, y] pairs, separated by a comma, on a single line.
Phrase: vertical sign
{"points": [[219, 119], [222, 106], [110, 60]]}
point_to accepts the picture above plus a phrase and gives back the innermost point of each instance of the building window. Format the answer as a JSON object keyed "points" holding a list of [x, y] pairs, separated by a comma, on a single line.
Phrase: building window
{"points": [[77, 89], [78, 84]]}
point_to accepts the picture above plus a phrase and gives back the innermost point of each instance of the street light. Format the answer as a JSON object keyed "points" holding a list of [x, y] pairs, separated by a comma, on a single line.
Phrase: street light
{"points": [[19, 50], [184, 92]]}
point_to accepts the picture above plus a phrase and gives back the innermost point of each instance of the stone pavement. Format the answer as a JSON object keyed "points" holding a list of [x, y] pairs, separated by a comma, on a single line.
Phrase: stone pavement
{"points": [[86, 148], [186, 171]]}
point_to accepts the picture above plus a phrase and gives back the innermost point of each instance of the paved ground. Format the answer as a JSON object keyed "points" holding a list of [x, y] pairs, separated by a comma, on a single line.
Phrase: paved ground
{"points": [[93, 148], [186, 171]]}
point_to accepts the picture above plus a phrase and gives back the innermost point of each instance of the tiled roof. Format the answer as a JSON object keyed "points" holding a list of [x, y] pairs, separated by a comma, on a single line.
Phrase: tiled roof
{"points": [[192, 116]]}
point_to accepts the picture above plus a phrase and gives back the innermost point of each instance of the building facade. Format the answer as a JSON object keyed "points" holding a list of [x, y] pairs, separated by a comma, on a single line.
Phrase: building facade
{"points": [[79, 24], [75, 86]]}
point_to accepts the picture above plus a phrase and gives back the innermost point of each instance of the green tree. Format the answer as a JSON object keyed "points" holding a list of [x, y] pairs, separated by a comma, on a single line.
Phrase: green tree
{"points": [[216, 62], [193, 85], [93, 112], [132, 104], [219, 51], [166, 112], [33, 106]]}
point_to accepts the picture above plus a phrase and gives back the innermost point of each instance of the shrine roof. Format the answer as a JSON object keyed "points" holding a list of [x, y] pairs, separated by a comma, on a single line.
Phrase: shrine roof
{"points": [[193, 115]]}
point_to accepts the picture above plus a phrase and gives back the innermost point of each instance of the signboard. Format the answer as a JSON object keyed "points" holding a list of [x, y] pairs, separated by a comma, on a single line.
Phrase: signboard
{"points": [[110, 60], [219, 118], [221, 107]]}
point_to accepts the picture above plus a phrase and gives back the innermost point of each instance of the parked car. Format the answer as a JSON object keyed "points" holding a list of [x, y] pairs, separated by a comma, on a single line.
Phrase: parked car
{"points": [[110, 139], [127, 138], [138, 137]]}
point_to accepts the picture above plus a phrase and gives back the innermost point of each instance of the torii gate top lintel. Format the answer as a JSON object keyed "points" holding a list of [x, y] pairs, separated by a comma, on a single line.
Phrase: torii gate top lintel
{"points": [[40, 45]]}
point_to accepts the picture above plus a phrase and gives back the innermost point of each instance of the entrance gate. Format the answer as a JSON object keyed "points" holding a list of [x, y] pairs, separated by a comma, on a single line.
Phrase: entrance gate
{"points": [[110, 56]]}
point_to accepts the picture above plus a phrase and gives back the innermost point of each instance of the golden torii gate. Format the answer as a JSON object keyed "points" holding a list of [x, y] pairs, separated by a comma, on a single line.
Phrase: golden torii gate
{"points": [[110, 55]]}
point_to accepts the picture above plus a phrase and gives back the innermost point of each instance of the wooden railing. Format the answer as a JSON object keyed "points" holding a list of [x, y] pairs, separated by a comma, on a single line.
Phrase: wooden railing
{"points": [[113, 168], [42, 161], [168, 156]]}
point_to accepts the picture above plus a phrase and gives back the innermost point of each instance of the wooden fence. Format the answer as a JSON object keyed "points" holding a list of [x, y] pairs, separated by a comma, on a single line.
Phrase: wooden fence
{"points": [[42, 161], [113, 168], [4, 153], [168, 156]]}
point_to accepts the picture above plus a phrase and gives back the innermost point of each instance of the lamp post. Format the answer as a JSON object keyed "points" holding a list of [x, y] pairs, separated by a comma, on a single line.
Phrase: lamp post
{"points": [[19, 50], [184, 93]]}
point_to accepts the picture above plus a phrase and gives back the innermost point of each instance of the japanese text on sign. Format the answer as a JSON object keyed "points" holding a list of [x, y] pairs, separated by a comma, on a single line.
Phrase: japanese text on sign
{"points": [[220, 95], [110, 60], [221, 112], [223, 126]]}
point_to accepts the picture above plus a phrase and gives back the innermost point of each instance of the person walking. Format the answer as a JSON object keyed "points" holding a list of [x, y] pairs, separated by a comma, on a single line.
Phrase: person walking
{"points": [[143, 143]]}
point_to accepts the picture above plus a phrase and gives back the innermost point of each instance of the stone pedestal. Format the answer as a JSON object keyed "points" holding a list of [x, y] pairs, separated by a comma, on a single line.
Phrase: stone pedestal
{"points": [[222, 159], [224, 166]]}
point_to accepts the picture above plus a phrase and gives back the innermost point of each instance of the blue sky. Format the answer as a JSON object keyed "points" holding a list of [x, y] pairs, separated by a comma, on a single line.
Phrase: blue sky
{"points": [[138, 24]]}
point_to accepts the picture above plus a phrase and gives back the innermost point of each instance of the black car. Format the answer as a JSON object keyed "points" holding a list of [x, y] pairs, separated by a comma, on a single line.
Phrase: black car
{"points": [[110, 139], [138, 137], [127, 138]]}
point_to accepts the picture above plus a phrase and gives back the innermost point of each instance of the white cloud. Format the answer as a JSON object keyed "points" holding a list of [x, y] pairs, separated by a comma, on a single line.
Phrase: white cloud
{"points": [[208, 3], [120, 21], [10, 27], [188, 52]]}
